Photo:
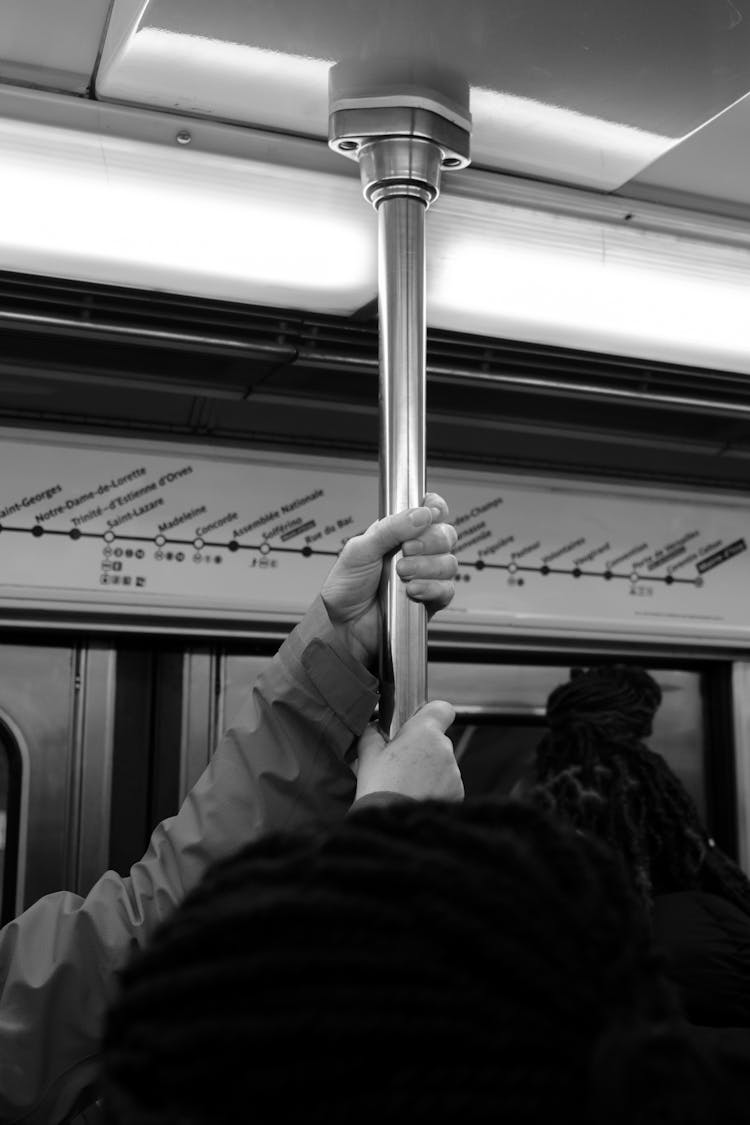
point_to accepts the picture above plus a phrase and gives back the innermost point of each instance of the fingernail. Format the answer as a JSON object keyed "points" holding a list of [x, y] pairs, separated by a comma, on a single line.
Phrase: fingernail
{"points": [[420, 517], [436, 515]]}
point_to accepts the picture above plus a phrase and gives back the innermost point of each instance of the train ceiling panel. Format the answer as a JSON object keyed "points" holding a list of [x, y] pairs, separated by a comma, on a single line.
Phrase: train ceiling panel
{"points": [[711, 168], [52, 44], [588, 93], [648, 99]]}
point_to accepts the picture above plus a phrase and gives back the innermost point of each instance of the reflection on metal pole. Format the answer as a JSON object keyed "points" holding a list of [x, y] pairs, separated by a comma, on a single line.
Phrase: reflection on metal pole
{"points": [[401, 151]]}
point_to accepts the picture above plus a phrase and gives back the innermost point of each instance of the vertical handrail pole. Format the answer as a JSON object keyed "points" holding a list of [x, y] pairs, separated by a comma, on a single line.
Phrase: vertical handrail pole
{"points": [[401, 150], [401, 285]]}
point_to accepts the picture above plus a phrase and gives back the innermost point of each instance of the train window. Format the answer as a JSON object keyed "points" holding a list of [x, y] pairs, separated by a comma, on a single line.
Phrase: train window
{"points": [[501, 719], [494, 753], [10, 807]]}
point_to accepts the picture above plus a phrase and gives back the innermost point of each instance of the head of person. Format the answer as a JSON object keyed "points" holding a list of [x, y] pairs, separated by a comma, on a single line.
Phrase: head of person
{"points": [[423, 962], [594, 769]]}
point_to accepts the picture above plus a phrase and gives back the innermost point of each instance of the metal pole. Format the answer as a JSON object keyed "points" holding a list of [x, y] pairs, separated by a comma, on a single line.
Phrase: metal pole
{"points": [[401, 151], [401, 283]]}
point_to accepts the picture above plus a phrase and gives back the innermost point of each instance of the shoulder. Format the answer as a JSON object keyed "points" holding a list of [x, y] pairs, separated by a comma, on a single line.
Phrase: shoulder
{"points": [[707, 944]]}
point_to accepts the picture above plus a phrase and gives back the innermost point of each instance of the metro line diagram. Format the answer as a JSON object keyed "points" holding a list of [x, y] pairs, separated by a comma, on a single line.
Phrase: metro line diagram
{"points": [[161, 541], [199, 545], [632, 576]]}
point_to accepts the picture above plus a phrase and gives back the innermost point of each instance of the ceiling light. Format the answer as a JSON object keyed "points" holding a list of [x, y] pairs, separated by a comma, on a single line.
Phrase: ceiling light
{"points": [[107, 209], [513, 273]]}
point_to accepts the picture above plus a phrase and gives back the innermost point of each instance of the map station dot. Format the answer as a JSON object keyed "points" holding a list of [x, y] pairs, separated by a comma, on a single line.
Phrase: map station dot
{"points": [[264, 548], [306, 552], [479, 564], [75, 533], [233, 545], [37, 531], [634, 577], [512, 568], [160, 541], [109, 536], [197, 543]]}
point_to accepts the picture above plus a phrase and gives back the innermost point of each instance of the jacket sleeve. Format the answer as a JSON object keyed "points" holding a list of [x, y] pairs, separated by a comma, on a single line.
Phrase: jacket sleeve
{"points": [[281, 767]]}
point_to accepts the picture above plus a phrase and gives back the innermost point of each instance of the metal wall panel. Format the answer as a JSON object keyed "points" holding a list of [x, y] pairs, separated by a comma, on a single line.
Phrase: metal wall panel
{"points": [[37, 692]]}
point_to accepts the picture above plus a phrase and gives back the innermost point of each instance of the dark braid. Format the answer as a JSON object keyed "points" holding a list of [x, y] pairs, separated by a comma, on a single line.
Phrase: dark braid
{"points": [[421, 962], [602, 779]]}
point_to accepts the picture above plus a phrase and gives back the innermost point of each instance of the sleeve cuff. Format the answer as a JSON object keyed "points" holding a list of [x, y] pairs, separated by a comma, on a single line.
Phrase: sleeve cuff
{"points": [[344, 684]]}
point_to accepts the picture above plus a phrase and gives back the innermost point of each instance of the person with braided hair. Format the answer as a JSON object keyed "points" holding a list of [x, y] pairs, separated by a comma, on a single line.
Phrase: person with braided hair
{"points": [[595, 771], [285, 765], [420, 963]]}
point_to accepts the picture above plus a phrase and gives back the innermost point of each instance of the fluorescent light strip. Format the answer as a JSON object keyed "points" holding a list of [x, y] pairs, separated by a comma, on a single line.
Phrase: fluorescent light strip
{"points": [[512, 273], [123, 212]]}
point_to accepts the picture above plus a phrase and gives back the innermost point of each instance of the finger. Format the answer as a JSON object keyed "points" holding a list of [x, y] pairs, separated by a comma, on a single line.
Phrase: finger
{"points": [[435, 502], [439, 539], [434, 595], [427, 567], [387, 534]]}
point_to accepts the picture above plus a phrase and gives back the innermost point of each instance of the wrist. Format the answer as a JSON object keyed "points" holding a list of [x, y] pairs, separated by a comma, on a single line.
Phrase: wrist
{"points": [[354, 645]]}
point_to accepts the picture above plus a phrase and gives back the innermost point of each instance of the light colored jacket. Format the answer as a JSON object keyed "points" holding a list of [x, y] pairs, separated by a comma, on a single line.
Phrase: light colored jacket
{"points": [[281, 767]]}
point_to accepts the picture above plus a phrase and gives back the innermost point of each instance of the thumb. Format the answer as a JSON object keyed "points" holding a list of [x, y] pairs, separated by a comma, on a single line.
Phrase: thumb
{"points": [[438, 712]]}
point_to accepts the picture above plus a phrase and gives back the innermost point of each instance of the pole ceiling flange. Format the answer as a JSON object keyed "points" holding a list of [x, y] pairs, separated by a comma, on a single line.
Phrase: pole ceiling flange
{"points": [[402, 141]]}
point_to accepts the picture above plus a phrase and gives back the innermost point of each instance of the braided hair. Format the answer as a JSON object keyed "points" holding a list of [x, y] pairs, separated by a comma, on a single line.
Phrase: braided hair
{"points": [[595, 770], [419, 962]]}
